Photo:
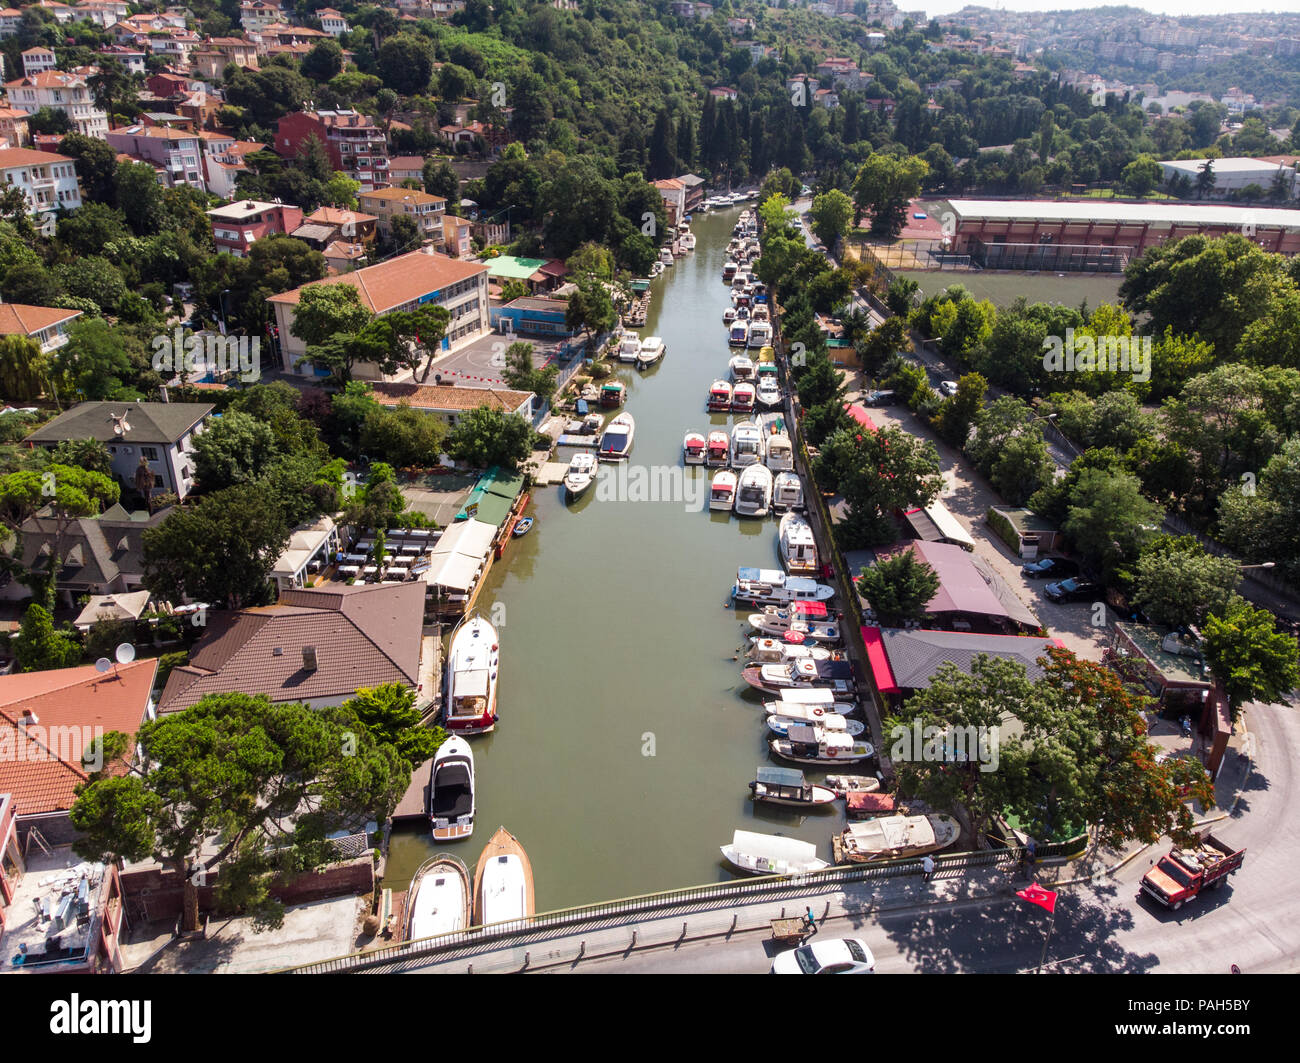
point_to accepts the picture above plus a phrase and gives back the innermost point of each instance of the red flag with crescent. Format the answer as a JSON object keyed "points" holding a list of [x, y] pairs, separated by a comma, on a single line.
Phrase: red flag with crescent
{"points": [[1035, 894]]}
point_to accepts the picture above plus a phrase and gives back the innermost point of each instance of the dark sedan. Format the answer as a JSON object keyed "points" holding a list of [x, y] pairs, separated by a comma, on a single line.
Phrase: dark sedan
{"points": [[1074, 589], [1056, 567]]}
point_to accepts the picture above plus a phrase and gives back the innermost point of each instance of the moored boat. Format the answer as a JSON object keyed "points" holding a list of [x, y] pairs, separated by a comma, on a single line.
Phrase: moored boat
{"points": [[780, 725], [522, 527], [807, 620], [438, 899], [743, 396], [768, 651], [754, 492], [611, 393], [580, 474], [895, 837], [718, 450], [843, 785], [652, 349], [503, 881], [809, 704], [787, 491], [738, 333], [722, 491], [760, 334], [629, 346], [616, 443], [797, 545], [787, 786], [451, 791], [693, 448], [769, 394], [766, 586], [742, 367], [806, 744], [770, 854], [746, 444], [473, 657], [719, 397], [836, 676]]}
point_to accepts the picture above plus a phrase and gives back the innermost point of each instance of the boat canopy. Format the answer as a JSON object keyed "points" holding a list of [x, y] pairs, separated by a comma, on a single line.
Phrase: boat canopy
{"points": [[471, 684], [771, 776], [810, 610], [745, 574], [892, 832], [772, 847]]}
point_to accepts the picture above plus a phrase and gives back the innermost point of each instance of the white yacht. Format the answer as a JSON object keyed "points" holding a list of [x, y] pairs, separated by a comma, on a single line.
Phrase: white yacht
{"points": [[451, 791], [722, 492], [798, 547], [766, 650], [437, 901], [760, 334], [581, 473], [769, 391], [688, 241], [629, 346], [742, 367], [666, 256], [652, 349], [471, 677], [804, 620], [768, 854], [769, 586], [746, 444], [738, 335], [787, 491], [729, 315], [754, 492], [780, 453], [616, 443]]}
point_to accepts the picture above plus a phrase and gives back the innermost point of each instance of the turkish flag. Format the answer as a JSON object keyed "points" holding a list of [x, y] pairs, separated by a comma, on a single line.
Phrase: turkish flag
{"points": [[1035, 894]]}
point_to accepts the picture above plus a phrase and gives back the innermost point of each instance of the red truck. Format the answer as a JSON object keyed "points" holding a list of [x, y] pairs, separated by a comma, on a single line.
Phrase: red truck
{"points": [[1184, 873]]}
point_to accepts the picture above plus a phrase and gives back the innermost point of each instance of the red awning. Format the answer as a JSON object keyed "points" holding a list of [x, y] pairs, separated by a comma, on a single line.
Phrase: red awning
{"points": [[860, 415], [878, 658]]}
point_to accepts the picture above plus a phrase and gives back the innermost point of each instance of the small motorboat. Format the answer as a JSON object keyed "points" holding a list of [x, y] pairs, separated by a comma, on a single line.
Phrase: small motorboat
{"points": [[652, 349], [743, 396], [688, 241], [754, 491], [766, 586], [666, 256], [746, 444], [522, 527], [808, 711], [611, 393], [760, 333], [742, 367], [722, 492], [787, 786], [718, 451], [729, 271], [805, 620], [780, 725], [768, 651], [798, 546], [780, 452], [844, 785], [438, 900], [769, 854], [894, 837], [816, 745], [738, 334], [769, 391], [470, 681], [581, 473], [616, 443], [693, 449], [719, 397], [451, 791], [729, 315], [787, 491], [629, 346], [503, 881], [801, 674]]}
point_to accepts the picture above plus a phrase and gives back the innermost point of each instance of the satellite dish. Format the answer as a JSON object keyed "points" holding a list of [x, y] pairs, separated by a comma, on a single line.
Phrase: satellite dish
{"points": [[103, 665], [125, 653]]}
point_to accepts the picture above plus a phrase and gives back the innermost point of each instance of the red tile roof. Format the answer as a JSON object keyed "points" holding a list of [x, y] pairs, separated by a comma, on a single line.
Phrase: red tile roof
{"points": [[45, 768], [400, 280]]}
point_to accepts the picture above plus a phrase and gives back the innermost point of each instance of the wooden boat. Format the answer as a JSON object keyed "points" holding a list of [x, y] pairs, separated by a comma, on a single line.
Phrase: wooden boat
{"points": [[797, 545], [473, 657], [693, 447], [719, 397], [836, 676], [616, 443], [451, 791], [831, 721], [522, 527], [581, 473], [764, 650], [806, 744], [754, 492], [852, 784], [769, 854], [894, 837], [787, 786], [503, 881], [722, 492], [718, 450], [437, 901]]}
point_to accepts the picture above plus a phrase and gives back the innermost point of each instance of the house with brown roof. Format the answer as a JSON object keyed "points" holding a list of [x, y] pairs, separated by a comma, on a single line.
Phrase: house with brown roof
{"points": [[401, 283], [425, 210], [47, 325], [317, 646], [49, 181]]}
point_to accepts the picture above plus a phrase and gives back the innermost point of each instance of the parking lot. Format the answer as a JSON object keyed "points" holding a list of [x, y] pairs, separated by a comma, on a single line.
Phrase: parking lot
{"points": [[480, 363]]}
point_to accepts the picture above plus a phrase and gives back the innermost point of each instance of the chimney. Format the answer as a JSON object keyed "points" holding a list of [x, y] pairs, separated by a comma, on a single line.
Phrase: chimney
{"points": [[29, 719], [309, 659]]}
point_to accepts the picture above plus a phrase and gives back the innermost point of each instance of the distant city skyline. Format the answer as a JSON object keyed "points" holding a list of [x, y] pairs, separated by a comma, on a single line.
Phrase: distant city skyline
{"points": [[1155, 7]]}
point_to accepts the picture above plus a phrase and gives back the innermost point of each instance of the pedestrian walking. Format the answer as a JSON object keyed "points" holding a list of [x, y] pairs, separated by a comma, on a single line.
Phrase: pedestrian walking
{"points": [[927, 865], [809, 921]]}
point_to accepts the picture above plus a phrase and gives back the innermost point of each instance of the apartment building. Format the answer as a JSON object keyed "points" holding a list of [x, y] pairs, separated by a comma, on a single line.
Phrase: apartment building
{"points": [[60, 91], [237, 226], [354, 143], [178, 152], [424, 209], [48, 181]]}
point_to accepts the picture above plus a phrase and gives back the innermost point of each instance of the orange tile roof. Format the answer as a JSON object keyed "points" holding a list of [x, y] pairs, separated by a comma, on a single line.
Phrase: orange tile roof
{"points": [[18, 319], [26, 157], [400, 280], [46, 770], [437, 397]]}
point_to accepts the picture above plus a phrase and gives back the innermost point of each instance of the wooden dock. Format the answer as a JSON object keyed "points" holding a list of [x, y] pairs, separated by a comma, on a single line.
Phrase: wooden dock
{"points": [[415, 802]]}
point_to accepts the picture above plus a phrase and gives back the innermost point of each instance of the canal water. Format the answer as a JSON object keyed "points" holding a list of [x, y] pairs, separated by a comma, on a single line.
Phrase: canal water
{"points": [[627, 737]]}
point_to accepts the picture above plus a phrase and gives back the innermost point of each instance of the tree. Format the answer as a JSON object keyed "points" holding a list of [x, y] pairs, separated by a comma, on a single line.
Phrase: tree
{"points": [[441, 180], [24, 368], [1259, 519], [884, 186], [1205, 179], [520, 374], [405, 63], [235, 448], [1109, 519], [220, 550], [485, 437], [94, 362], [389, 714], [112, 85], [252, 773], [1250, 658], [1141, 176], [1177, 582], [38, 647], [403, 437], [899, 588], [1022, 467], [832, 213], [326, 317], [96, 167], [323, 62], [958, 412], [590, 310]]}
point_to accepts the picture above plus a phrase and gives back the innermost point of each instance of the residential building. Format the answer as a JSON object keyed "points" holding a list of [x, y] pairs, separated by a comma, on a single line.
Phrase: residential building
{"points": [[159, 435], [693, 191], [312, 548], [401, 283], [425, 210], [38, 60], [531, 315], [457, 236], [354, 143], [60, 91], [178, 152], [406, 168], [331, 21], [237, 226], [539, 274], [324, 225], [45, 324], [342, 256], [132, 59], [10, 17], [256, 14], [13, 126], [674, 197], [317, 646], [48, 181]]}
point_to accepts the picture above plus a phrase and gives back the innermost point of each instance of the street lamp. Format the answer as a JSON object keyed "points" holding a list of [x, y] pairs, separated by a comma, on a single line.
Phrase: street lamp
{"points": [[1264, 564], [221, 303]]}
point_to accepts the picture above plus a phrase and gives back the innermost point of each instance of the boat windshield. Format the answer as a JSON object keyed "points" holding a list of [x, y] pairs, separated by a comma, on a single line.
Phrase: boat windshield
{"points": [[614, 441]]}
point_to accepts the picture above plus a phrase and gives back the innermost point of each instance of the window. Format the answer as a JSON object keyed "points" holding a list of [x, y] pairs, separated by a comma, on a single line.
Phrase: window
{"points": [[149, 453]]}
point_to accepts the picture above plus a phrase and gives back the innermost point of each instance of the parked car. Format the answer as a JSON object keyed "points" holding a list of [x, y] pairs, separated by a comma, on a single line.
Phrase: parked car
{"points": [[836, 956], [1074, 589], [1057, 567], [948, 387], [880, 398]]}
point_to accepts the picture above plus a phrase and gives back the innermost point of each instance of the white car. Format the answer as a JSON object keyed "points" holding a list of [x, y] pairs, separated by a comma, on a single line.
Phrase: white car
{"points": [[834, 956], [949, 387]]}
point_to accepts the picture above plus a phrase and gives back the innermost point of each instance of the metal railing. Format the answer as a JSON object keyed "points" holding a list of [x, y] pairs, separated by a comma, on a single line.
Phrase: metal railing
{"points": [[419, 952]]}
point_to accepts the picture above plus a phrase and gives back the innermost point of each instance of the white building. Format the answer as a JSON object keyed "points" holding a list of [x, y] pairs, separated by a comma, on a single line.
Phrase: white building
{"points": [[38, 60], [1232, 175], [60, 91], [332, 22], [48, 181]]}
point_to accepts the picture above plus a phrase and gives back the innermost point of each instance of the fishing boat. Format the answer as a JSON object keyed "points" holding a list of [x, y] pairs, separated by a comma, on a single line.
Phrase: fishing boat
{"points": [[718, 450], [894, 837], [629, 346], [787, 786], [451, 791], [769, 395], [742, 368], [754, 492], [760, 334], [808, 620], [780, 452], [797, 545], [843, 785], [738, 334], [693, 448], [770, 854], [437, 901], [787, 491], [746, 444], [719, 397], [616, 443], [581, 473], [766, 586], [836, 676], [743, 396], [780, 725], [806, 744], [503, 881], [611, 393], [652, 349], [522, 527], [471, 677], [771, 651], [722, 492]]}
